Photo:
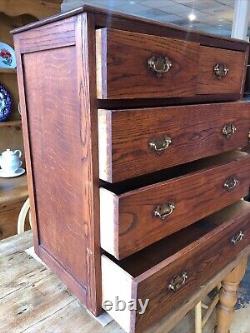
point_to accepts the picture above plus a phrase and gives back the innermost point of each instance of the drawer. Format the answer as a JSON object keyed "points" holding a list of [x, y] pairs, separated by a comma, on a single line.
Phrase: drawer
{"points": [[170, 271], [134, 215], [141, 141], [136, 65], [221, 71]]}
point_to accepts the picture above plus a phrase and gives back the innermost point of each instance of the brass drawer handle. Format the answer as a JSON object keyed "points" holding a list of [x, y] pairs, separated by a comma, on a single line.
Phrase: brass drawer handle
{"points": [[178, 281], [220, 71], [159, 65], [238, 237], [231, 183], [228, 130], [159, 145], [163, 211]]}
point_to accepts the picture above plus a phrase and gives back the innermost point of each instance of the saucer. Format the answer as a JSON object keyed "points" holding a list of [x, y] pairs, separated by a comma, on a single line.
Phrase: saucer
{"points": [[17, 173]]}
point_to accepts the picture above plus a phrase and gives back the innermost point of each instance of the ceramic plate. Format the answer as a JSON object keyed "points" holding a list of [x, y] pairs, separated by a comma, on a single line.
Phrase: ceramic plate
{"points": [[5, 103], [7, 56], [17, 173]]}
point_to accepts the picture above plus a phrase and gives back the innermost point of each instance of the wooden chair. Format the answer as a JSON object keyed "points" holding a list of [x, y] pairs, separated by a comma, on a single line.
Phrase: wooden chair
{"points": [[22, 217]]}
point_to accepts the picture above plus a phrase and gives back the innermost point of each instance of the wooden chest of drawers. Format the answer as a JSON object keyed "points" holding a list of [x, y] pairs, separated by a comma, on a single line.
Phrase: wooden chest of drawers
{"points": [[133, 134]]}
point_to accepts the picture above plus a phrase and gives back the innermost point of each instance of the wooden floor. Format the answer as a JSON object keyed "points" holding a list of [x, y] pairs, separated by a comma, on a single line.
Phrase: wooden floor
{"points": [[33, 300]]}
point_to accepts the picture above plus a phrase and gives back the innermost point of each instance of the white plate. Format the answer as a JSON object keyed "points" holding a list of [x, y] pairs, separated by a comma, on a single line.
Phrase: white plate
{"points": [[7, 56], [17, 173]]}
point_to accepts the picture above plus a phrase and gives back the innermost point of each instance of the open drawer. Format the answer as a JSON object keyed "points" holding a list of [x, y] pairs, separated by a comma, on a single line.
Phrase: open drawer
{"points": [[138, 213], [168, 272]]}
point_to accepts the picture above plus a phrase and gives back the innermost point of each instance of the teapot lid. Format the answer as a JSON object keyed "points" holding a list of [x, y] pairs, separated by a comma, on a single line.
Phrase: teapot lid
{"points": [[8, 150]]}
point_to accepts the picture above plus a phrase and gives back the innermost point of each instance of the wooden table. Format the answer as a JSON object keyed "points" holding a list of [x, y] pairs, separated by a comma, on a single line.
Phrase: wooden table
{"points": [[13, 193], [32, 299]]}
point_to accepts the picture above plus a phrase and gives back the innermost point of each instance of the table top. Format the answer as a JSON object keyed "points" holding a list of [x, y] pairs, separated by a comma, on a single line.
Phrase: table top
{"points": [[13, 189], [33, 299]]}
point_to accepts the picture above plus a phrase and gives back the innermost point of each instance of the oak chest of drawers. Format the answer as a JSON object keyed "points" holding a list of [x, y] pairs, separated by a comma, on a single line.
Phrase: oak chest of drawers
{"points": [[133, 134]]}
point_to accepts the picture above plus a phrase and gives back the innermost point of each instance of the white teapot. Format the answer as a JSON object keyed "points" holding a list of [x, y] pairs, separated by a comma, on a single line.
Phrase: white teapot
{"points": [[10, 161]]}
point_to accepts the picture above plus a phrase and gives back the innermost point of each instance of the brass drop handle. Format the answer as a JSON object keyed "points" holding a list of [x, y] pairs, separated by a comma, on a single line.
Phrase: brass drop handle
{"points": [[231, 183], [238, 237], [228, 130], [178, 281], [161, 144], [159, 64], [220, 71], [163, 211]]}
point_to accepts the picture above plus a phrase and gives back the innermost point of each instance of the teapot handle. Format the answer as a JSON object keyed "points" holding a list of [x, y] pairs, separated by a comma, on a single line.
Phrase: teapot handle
{"points": [[18, 153]]}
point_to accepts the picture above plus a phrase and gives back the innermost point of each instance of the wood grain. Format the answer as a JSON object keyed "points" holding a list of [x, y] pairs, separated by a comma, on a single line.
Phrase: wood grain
{"points": [[124, 136], [121, 21], [201, 263], [57, 61], [60, 147], [39, 9], [63, 312], [207, 250], [208, 83], [8, 218], [61, 34], [129, 216], [13, 190], [85, 33], [122, 69], [228, 297]]}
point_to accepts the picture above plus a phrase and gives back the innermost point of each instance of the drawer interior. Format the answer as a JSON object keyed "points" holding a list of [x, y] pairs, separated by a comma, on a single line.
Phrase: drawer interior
{"points": [[199, 251], [174, 172]]}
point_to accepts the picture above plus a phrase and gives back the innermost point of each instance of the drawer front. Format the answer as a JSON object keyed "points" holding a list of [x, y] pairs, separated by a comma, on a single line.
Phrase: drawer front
{"points": [[164, 137], [136, 219], [174, 284], [175, 278], [220, 71], [136, 65]]}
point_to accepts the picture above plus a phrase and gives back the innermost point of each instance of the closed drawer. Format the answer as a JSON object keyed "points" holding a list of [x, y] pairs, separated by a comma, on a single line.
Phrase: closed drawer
{"points": [[170, 271], [133, 217], [140, 141], [136, 65], [220, 71]]}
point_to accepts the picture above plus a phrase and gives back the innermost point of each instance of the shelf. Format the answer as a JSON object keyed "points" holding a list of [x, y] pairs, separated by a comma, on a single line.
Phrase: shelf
{"points": [[11, 123], [13, 190], [7, 70]]}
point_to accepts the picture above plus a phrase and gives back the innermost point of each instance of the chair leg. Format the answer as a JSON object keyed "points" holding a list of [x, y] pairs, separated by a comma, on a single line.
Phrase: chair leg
{"points": [[198, 318], [22, 216]]}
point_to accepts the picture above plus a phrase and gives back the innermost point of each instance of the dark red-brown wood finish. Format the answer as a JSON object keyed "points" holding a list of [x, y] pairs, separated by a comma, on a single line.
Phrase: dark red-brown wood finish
{"points": [[128, 138], [57, 98], [62, 88]]}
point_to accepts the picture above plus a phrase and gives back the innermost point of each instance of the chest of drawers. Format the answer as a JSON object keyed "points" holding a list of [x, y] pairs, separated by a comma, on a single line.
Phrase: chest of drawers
{"points": [[132, 132]]}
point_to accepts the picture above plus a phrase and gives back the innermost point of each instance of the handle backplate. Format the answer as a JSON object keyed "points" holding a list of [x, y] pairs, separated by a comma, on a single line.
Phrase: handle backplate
{"points": [[238, 237], [164, 210], [228, 130], [220, 70], [231, 183], [161, 144], [159, 64], [178, 281]]}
